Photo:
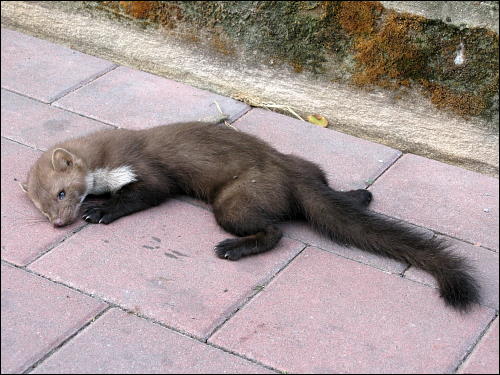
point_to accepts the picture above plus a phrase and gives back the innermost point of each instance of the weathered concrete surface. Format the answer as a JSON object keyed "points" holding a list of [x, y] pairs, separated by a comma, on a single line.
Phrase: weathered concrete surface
{"points": [[411, 125], [468, 13]]}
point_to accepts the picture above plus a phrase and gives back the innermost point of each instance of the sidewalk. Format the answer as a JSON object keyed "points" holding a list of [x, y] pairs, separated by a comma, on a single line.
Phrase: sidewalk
{"points": [[147, 294]]}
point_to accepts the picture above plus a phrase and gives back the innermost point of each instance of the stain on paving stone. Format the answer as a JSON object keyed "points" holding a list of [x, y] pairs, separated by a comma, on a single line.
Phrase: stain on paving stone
{"points": [[156, 239], [54, 126], [160, 281], [148, 247], [180, 254], [171, 256]]}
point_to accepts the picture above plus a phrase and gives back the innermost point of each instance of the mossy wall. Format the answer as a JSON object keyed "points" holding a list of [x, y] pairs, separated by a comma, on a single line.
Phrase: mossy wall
{"points": [[358, 43]]}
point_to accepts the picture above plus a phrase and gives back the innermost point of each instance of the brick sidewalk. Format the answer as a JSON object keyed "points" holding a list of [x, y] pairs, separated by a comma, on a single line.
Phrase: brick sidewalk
{"points": [[146, 293]]}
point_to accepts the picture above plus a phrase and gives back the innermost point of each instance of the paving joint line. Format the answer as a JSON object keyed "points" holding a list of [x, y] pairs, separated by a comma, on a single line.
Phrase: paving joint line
{"points": [[245, 357], [371, 181], [191, 336], [83, 83], [96, 297], [73, 288], [58, 107], [437, 288], [244, 112], [24, 95], [21, 144], [132, 312], [257, 289], [435, 231], [357, 261], [473, 346], [401, 275], [466, 241], [86, 116], [56, 244], [63, 342]]}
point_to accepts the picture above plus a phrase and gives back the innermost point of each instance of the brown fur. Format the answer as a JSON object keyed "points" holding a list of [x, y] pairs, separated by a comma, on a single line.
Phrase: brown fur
{"points": [[250, 185]]}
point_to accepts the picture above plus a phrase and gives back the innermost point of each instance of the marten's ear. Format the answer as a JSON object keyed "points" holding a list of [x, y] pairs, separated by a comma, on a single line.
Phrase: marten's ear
{"points": [[24, 186], [62, 160]]}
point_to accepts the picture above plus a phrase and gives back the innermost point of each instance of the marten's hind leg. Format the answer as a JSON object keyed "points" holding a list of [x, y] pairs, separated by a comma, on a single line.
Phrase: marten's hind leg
{"points": [[250, 214]]}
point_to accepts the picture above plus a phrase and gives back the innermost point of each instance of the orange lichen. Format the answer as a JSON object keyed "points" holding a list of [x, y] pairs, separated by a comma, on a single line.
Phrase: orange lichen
{"points": [[138, 9], [388, 57], [463, 103], [169, 14], [221, 45], [358, 17], [297, 68]]}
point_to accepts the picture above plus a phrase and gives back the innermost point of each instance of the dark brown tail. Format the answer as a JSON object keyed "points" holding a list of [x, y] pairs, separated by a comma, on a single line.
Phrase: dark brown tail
{"points": [[346, 222]]}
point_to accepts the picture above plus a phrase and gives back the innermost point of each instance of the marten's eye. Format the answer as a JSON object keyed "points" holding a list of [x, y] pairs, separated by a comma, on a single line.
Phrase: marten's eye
{"points": [[61, 195]]}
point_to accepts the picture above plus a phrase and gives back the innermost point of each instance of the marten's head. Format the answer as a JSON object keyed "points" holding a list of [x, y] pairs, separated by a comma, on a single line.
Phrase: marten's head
{"points": [[56, 185]]}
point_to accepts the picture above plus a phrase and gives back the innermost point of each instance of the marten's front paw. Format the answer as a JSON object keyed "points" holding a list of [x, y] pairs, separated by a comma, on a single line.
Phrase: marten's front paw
{"points": [[97, 215]]}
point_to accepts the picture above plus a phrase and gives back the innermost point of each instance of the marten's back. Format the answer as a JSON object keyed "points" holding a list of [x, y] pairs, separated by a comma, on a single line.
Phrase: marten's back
{"points": [[206, 156]]}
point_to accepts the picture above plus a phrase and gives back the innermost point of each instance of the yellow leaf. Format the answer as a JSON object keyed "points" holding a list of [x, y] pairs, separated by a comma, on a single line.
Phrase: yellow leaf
{"points": [[318, 120]]}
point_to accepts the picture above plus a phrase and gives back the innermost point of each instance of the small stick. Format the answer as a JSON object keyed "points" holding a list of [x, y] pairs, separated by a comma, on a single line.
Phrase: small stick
{"points": [[285, 107], [225, 116]]}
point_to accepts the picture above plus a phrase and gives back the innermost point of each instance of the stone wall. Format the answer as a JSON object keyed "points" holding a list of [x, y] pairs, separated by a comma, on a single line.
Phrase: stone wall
{"points": [[361, 43]]}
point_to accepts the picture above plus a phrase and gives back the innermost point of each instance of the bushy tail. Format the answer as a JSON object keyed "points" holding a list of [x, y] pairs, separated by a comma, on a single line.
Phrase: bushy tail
{"points": [[344, 221]]}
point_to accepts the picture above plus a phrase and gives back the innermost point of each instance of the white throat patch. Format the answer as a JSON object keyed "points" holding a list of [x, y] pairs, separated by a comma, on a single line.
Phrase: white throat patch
{"points": [[105, 180]]}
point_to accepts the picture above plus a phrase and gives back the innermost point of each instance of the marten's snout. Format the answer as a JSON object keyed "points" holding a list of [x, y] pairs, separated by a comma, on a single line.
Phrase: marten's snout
{"points": [[58, 222]]}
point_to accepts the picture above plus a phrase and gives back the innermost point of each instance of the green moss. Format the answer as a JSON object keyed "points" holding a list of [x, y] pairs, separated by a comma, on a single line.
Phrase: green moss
{"points": [[287, 32]]}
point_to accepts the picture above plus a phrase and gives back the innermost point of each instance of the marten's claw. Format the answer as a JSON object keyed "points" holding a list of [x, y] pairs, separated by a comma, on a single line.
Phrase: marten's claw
{"points": [[96, 215], [228, 249]]}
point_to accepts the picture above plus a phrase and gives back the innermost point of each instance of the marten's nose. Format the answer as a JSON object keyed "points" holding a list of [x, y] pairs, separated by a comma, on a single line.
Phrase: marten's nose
{"points": [[58, 222]]}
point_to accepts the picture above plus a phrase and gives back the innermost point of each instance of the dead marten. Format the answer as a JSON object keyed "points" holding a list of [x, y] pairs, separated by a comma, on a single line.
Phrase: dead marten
{"points": [[250, 185]]}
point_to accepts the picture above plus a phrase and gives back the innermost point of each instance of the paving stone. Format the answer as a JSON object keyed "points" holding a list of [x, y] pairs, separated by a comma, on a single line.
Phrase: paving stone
{"points": [[349, 162], [40, 125], [160, 263], [122, 343], [25, 231], [484, 358], [326, 314], [44, 70], [485, 263], [133, 99], [37, 315], [448, 199]]}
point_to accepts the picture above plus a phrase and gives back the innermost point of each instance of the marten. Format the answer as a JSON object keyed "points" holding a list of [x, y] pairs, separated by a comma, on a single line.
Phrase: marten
{"points": [[251, 186]]}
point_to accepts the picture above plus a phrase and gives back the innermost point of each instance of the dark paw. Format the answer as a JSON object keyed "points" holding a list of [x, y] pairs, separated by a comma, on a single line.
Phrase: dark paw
{"points": [[97, 215], [228, 249], [366, 197], [362, 196]]}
